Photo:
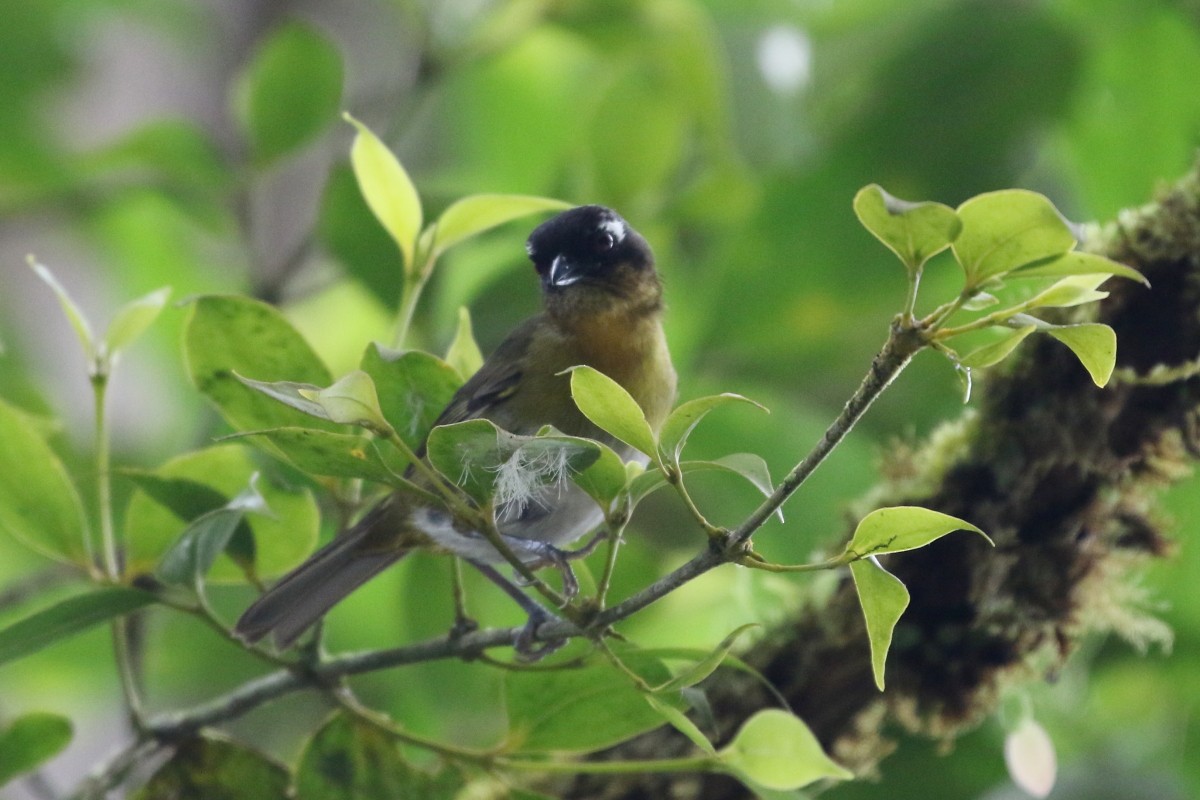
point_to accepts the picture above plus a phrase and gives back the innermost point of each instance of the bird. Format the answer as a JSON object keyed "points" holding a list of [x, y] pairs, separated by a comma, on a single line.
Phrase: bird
{"points": [[603, 308]]}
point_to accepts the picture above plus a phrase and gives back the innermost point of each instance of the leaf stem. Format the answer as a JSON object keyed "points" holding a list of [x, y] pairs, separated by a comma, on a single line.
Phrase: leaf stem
{"points": [[702, 763], [674, 476]]}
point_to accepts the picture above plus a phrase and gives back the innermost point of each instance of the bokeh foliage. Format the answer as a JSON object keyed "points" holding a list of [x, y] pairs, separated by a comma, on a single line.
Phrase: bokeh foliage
{"points": [[660, 108]]}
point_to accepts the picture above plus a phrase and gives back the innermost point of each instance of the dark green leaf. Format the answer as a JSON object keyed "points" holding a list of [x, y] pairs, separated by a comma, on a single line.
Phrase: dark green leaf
{"points": [[290, 91], [39, 505], [883, 599], [67, 618], [29, 740], [338, 455], [913, 231], [192, 556], [349, 760], [211, 767]]}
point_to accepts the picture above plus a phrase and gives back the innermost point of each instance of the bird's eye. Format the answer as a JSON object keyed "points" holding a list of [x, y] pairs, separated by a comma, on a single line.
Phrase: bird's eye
{"points": [[604, 242]]}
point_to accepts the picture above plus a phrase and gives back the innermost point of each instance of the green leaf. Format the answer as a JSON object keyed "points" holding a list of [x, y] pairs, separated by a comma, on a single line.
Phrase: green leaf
{"points": [[227, 336], [604, 478], [388, 190], [209, 535], [487, 461], [913, 231], [682, 723], [580, 710], [290, 90], [279, 541], [473, 215], [1074, 290], [210, 766], [72, 311], [748, 465], [1074, 263], [29, 740], [708, 665], [337, 455], [464, 354], [67, 618], [997, 351], [350, 760], [1008, 229], [777, 750], [1095, 346], [292, 394], [132, 320], [606, 403], [351, 401], [900, 528], [412, 388], [684, 419], [883, 599], [39, 505]]}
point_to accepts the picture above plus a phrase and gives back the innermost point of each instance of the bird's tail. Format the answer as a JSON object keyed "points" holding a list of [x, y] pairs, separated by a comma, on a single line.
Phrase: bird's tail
{"points": [[306, 593]]}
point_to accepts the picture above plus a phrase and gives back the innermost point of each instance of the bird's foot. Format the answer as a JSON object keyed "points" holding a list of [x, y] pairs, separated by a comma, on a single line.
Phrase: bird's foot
{"points": [[526, 643]]}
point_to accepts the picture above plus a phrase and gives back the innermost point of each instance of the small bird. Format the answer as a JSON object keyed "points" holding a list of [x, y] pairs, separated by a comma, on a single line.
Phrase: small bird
{"points": [[603, 308]]}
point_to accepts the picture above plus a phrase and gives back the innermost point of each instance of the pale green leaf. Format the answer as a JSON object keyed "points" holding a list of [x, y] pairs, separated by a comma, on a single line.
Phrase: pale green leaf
{"points": [[883, 599], [913, 231], [388, 190], [606, 403], [475, 214], [1008, 229], [133, 319], [707, 665], [900, 528], [777, 750], [1074, 290], [351, 401], [39, 504], [1095, 346], [464, 354], [1075, 263], [292, 394], [70, 309], [997, 351], [680, 722], [684, 419]]}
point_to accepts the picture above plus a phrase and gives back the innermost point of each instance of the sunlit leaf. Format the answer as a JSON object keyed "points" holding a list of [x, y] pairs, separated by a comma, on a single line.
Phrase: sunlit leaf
{"points": [[899, 528], [388, 190], [1004, 230], [777, 750], [351, 400], [684, 419], [883, 599], [463, 353], [1074, 290], [606, 403], [475, 214], [67, 618], [39, 504], [913, 231], [1095, 346], [133, 319], [290, 90], [29, 740], [1074, 263], [997, 351]]}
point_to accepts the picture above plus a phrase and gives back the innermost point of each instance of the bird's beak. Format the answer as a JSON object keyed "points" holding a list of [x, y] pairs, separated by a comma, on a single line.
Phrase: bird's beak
{"points": [[562, 272]]}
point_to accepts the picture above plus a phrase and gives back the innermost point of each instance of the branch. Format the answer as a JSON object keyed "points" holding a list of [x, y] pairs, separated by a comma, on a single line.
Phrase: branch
{"points": [[1061, 474]]}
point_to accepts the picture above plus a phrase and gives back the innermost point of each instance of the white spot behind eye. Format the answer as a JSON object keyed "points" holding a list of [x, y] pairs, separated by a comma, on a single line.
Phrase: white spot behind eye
{"points": [[616, 227]]}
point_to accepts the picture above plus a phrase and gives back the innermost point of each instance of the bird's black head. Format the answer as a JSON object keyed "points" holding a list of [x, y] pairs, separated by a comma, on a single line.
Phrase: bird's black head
{"points": [[590, 248]]}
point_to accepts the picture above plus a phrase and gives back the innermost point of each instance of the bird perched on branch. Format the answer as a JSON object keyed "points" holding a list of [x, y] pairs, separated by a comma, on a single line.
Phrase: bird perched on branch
{"points": [[603, 308]]}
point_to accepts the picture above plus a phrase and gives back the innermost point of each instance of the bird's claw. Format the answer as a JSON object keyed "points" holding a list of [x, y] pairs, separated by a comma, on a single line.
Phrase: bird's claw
{"points": [[526, 643]]}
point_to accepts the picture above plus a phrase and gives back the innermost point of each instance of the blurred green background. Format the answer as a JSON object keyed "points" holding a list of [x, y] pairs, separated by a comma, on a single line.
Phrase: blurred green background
{"points": [[196, 144]]}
